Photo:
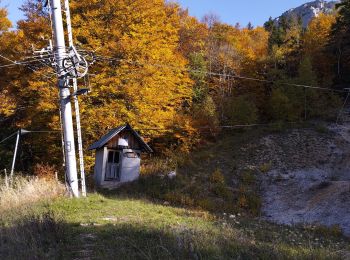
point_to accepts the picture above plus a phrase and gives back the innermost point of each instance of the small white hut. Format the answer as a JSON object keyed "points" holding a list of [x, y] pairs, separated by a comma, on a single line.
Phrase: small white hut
{"points": [[118, 157]]}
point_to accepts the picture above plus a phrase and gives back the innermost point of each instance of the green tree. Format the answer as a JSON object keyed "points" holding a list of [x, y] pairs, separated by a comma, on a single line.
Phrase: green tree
{"points": [[198, 73], [340, 43], [241, 110]]}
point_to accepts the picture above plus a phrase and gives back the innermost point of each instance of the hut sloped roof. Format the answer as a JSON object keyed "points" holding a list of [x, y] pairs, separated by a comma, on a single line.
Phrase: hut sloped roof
{"points": [[106, 138]]}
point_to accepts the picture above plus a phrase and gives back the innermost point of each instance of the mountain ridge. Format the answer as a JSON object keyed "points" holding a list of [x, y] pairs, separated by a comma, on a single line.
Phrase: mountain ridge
{"points": [[309, 10]]}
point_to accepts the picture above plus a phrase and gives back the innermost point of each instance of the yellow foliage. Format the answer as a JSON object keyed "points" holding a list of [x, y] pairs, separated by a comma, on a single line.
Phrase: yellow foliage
{"points": [[315, 41], [317, 34], [144, 89]]}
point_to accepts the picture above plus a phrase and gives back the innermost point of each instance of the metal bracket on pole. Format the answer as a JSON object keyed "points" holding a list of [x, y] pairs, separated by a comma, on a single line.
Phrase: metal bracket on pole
{"points": [[15, 153]]}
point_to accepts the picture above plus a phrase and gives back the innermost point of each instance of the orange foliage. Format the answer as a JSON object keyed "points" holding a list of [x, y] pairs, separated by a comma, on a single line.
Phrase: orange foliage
{"points": [[315, 41]]}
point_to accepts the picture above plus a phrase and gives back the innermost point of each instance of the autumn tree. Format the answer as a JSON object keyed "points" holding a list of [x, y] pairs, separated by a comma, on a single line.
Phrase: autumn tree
{"points": [[147, 84], [315, 41], [140, 76], [339, 41], [8, 102], [192, 35]]}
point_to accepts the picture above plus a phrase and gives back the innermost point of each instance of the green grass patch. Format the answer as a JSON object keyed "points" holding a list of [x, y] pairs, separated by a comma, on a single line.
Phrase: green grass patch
{"points": [[100, 227]]}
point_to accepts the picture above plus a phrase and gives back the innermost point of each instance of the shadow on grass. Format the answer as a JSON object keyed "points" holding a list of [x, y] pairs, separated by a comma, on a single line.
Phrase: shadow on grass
{"points": [[45, 237]]}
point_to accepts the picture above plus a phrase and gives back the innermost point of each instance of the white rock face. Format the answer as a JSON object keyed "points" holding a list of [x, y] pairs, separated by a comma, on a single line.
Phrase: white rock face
{"points": [[310, 10], [317, 192]]}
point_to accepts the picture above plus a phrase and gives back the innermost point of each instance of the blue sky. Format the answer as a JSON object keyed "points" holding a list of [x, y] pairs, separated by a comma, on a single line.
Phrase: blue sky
{"points": [[229, 11]]}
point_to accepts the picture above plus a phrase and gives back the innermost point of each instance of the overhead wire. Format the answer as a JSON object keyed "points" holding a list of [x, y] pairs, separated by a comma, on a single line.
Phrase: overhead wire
{"points": [[343, 107], [24, 62], [16, 63], [106, 58], [215, 73], [3, 140], [28, 65]]}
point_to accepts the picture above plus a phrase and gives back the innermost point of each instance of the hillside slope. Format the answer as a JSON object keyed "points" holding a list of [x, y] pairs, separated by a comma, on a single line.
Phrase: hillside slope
{"points": [[298, 172], [289, 176], [308, 176], [320, 186], [120, 228]]}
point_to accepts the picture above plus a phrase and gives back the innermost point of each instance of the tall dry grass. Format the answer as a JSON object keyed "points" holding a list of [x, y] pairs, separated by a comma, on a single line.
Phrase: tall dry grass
{"points": [[27, 190]]}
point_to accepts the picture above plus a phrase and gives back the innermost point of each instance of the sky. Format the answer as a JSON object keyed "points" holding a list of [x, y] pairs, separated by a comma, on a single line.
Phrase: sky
{"points": [[229, 11]]}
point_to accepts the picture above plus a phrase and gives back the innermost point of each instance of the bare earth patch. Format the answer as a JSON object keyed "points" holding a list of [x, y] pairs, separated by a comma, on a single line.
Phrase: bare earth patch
{"points": [[309, 178]]}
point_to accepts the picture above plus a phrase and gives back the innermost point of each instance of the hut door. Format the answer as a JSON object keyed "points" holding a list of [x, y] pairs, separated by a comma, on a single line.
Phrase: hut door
{"points": [[112, 170]]}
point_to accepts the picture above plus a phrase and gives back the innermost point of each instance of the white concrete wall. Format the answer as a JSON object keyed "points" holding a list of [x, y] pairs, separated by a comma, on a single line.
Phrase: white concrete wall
{"points": [[130, 167]]}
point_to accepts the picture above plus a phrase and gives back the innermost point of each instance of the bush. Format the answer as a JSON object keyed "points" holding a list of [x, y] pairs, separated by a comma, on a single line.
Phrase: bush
{"points": [[248, 177], [266, 167], [281, 107], [218, 185], [332, 231], [323, 104], [241, 110], [178, 198], [248, 197], [217, 177], [321, 129], [205, 113], [250, 201], [207, 204], [45, 171]]}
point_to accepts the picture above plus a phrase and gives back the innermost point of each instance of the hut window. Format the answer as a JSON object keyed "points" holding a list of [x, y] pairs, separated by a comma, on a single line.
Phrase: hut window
{"points": [[110, 157], [131, 155], [113, 157], [116, 157]]}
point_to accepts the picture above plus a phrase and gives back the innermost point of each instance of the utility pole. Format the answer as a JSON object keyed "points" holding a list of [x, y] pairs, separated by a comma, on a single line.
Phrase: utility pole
{"points": [[76, 104], [60, 54]]}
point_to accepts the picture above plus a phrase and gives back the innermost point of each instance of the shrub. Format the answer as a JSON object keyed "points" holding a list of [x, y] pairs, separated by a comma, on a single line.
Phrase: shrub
{"points": [[207, 204], [217, 177], [266, 167], [277, 127], [332, 231], [248, 198], [179, 198], [249, 201], [241, 110], [218, 185], [285, 105], [205, 113], [248, 177], [321, 129], [45, 171], [222, 191]]}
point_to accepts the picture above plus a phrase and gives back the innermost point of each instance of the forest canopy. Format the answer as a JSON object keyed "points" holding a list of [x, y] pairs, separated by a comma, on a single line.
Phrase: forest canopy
{"points": [[174, 78]]}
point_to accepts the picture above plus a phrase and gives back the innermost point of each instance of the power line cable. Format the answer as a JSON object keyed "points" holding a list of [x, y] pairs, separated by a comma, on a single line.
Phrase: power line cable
{"points": [[22, 63], [217, 74], [26, 64], [15, 63], [343, 106], [2, 141]]}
